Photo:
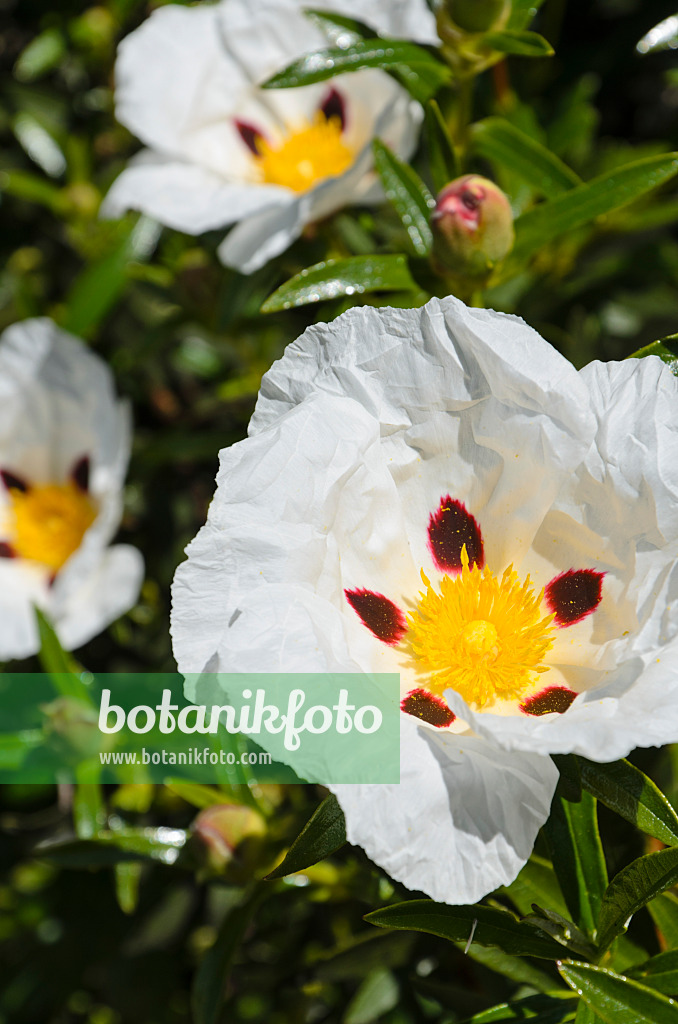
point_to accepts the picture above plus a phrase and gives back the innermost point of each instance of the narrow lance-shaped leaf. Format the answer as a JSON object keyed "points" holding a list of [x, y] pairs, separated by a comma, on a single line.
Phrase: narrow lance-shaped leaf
{"points": [[664, 912], [574, 842], [484, 925], [632, 888], [506, 146], [617, 999], [442, 157], [323, 834], [631, 794], [356, 275], [411, 199], [659, 973], [63, 669], [583, 204], [535, 1009], [666, 349], [520, 44], [341, 31]]}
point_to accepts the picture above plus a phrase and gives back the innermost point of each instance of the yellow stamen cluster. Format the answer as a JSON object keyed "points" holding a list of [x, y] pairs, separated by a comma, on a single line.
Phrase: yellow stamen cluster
{"points": [[479, 635], [315, 152], [48, 522]]}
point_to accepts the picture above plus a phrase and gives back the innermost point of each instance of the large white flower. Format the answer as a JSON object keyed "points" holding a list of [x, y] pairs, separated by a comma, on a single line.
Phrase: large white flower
{"points": [[437, 492], [64, 446], [221, 150]]}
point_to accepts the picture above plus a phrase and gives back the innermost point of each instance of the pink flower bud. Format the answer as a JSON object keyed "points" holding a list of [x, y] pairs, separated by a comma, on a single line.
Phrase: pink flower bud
{"points": [[476, 15], [472, 226], [222, 827]]}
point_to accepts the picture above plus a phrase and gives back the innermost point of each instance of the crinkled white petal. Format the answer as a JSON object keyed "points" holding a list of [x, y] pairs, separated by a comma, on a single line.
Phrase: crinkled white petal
{"points": [[463, 820], [189, 198], [58, 405]]}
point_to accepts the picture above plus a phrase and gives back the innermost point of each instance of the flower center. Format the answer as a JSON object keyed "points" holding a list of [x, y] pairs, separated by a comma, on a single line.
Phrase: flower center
{"points": [[48, 522], [315, 152], [479, 635]]}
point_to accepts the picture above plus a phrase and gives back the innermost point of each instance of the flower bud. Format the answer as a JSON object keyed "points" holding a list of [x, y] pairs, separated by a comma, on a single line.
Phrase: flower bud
{"points": [[472, 226], [222, 827], [476, 15]]}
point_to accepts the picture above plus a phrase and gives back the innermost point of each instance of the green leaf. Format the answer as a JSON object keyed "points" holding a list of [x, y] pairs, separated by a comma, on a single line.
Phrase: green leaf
{"points": [[407, 192], [632, 888], [536, 883], [376, 995], [42, 54], [664, 912], [516, 968], [659, 973], [323, 834], [342, 32], [417, 69], [522, 13], [633, 796], [356, 275], [63, 669], [583, 204], [212, 974], [127, 878], [535, 1009], [562, 930], [520, 44], [617, 999], [110, 847], [15, 747], [506, 146], [487, 926], [585, 1015], [574, 842], [194, 793], [442, 158], [666, 349], [89, 813], [99, 286], [33, 188]]}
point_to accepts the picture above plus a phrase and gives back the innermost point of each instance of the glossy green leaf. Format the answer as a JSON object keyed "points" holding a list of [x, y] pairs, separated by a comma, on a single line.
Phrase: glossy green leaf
{"points": [[517, 968], [340, 30], [407, 192], [666, 349], [519, 43], [632, 795], [100, 284], [484, 925], [536, 883], [506, 146], [63, 669], [574, 842], [633, 887], [442, 157], [417, 69], [617, 999], [377, 994], [522, 13], [562, 930], [535, 1009], [659, 973], [664, 912], [109, 847], [323, 834], [583, 204], [585, 1015], [663, 36], [210, 979], [356, 275]]}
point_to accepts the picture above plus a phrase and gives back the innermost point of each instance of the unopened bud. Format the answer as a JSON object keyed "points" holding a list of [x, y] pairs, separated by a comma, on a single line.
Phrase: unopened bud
{"points": [[222, 827], [477, 15], [472, 226]]}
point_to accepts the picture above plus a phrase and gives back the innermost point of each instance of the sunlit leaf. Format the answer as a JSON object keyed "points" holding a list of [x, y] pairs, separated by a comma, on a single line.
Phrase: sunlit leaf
{"points": [[617, 999], [109, 847], [664, 912], [574, 842], [520, 44], [507, 147], [356, 275], [633, 887], [659, 973], [663, 36], [631, 794], [411, 199], [442, 157], [323, 834], [666, 349]]}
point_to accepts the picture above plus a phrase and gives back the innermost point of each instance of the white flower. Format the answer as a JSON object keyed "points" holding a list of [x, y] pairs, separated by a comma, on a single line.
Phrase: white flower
{"points": [[221, 150], [64, 446], [437, 492]]}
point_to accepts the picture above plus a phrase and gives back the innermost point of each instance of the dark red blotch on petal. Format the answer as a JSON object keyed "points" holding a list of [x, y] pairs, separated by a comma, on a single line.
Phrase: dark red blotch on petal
{"points": [[250, 136], [428, 707], [574, 594], [333, 106], [13, 482], [80, 474], [451, 527], [6, 550], [381, 616], [553, 698]]}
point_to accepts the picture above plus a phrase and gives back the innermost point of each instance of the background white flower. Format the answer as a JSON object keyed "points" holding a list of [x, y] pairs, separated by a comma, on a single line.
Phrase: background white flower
{"points": [[64, 447], [222, 150], [366, 433]]}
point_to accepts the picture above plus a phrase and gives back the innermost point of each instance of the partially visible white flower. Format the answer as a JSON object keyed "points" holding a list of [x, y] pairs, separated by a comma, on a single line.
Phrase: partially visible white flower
{"points": [[222, 150], [64, 447], [437, 492]]}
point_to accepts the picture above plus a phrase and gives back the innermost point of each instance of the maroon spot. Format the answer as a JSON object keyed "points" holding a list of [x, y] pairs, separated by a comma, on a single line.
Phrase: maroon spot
{"points": [[80, 474], [470, 201], [553, 698], [450, 528], [6, 550], [333, 106], [381, 616], [574, 594], [13, 482], [250, 136], [429, 708]]}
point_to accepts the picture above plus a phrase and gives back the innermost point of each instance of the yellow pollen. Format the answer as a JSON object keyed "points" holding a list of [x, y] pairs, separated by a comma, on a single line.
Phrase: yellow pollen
{"points": [[48, 522], [482, 636], [314, 152]]}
